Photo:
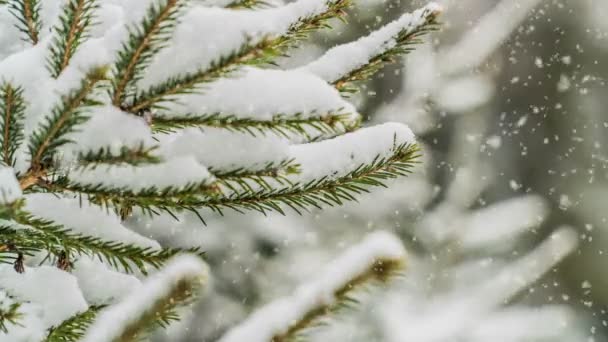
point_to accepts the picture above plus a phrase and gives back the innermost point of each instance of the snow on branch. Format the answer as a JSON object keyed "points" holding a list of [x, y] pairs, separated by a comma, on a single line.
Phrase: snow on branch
{"points": [[9, 312], [377, 258], [283, 102], [254, 37], [10, 191], [176, 285], [239, 151], [359, 160], [145, 41], [361, 59]]}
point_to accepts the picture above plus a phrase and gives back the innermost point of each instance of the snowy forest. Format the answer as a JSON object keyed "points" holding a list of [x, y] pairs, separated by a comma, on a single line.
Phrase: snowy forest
{"points": [[303, 170]]}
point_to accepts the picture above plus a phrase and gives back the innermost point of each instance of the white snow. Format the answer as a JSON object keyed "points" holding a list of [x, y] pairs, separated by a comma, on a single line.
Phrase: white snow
{"points": [[10, 191], [101, 285], [60, 299], [277, 316], [261, 95], [340, 60], [220, 149], [110, 129], [219, 39], [178, 173], [111, 321], [343, 154]]}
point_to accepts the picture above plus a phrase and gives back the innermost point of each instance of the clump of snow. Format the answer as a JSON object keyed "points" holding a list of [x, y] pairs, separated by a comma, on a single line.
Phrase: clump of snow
{"points": [[261, 95], [178, 173], [110, 129], [10, 191], [219, 39], [340, 60], [60, 299], [348, 152], [112, 321], [276, 317], [220, 149], [99, 284]]}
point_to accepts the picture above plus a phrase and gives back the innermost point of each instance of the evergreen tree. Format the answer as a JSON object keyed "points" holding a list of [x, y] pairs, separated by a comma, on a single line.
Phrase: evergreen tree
{"points": [[113, 111]]}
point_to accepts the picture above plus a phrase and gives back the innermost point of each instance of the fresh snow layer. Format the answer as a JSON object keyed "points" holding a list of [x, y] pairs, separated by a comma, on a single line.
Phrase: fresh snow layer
{"points": [[99, 284], [505, 220], [111, 321], [220, 149], [341, 60], [276, 317], [59, 299], [10, 191], [345, 153], [111, 129], [82, 217], [176, 173], [204, 34], [261, 95]]}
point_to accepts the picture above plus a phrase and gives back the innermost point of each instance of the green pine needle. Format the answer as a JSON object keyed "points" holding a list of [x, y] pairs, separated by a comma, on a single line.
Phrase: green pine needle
{"points": [[144, 42], [70, 33], [74, 328], [329, 124], [10, 316], [404, 44], [12, 114], [65, 117], [27, 13], [135, 156], [45, 235]]}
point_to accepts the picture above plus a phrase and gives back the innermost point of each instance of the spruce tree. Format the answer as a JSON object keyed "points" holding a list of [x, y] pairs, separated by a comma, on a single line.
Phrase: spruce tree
{"points": [[114, 110]]}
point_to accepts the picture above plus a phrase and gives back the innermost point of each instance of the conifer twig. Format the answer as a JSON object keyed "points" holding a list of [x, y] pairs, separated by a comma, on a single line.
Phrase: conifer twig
{"points": [[261, 52], [64, 118], [70, 32], [143, 43], [12, 114], [175, 286], [376, 260], [27, 12]]}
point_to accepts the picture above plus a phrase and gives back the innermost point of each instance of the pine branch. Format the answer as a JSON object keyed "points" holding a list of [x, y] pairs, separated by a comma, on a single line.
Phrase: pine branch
{"points": [[64, 118], [70, 32], [154, 305], [9, 315], [375, 261], [12, 114], [127, 155], [151, 201], [248, 4], [404, 43], [381, 272], [74, 328], [319, 192], [27, 12], [144, 42], [263, 52], [57, 240], [329, 124], [299, 197], [242, 179]]}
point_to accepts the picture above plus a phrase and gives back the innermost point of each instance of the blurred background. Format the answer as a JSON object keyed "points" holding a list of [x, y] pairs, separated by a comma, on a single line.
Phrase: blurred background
{"points": [[505, 219]]}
